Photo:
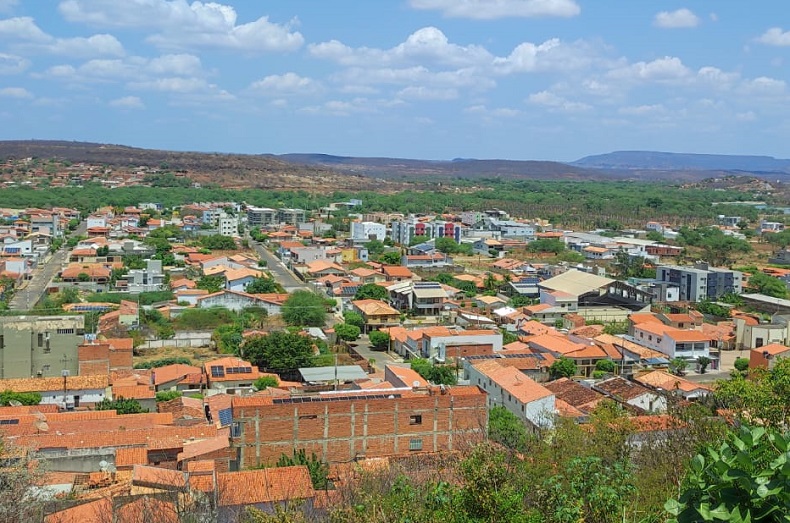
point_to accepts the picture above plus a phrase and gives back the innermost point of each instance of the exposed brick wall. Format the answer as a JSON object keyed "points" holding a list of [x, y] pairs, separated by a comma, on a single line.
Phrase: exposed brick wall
{"points": [[461, 351], [341, 431]]}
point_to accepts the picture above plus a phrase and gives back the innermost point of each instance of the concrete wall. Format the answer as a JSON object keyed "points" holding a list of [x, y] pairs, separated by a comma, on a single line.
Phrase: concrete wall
{"points": [[45, 344]]}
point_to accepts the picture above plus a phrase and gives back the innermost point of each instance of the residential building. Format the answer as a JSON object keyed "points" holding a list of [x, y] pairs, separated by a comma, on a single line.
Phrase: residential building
{"points": [[700, 282], [343, 426], [669, 384], [152, 278], [43, 346], [230, 374], [508, 387], [673, 342], [237, 300], [261, 216], [376, 314], [67, 392], [228, 225], [291, 216], [632, 394], [365, 231], [766, 356]]}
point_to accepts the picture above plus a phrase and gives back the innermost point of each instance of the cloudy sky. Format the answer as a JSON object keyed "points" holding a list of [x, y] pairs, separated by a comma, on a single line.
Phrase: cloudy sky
{"points": [[436, 79]]}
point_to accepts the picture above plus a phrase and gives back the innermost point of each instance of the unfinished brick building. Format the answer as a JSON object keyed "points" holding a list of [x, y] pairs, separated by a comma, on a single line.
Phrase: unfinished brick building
{"points": [[348, 425]]}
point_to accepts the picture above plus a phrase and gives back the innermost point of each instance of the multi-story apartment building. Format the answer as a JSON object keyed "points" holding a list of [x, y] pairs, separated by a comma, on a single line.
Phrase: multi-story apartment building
{"points": [[701, 281], [40, 345], [291, 216], [261, 216], [364, 231]]}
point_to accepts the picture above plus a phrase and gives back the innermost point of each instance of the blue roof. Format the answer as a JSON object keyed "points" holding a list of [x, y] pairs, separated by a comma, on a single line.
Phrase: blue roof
{"points": [[657, 361]]}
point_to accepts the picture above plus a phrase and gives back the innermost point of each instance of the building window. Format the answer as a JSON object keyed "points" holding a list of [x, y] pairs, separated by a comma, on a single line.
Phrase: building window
{"points": [[235, 430], [65, 331], [2, 341], [415, 419], [758, 342], [40, 339], [415, 444]]}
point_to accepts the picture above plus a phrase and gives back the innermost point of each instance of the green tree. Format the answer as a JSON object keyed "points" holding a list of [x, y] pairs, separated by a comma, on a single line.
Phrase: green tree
{"points": [[304, 308], [83, 277], [768, 285], [371, 291], [121, 405], [546, 245], [347, 332], [211, 283], [606, 366], [745, 479], [25, 398], [562, 368], [380, 340], [217, 242], [703, 362], [655, 236], [390, 258], [319, 471], [416, 240], [279, 351], [264, 285], [506, 428], [678, 366], [375, 247], [761, 397], [438, 374], [741, 364], [354, 318], [167, 395], [447, 245], [264, 382]]}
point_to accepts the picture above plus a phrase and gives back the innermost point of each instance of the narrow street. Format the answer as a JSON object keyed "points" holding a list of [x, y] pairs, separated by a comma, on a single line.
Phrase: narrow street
{"points": [[280, 272], [26, 297]]}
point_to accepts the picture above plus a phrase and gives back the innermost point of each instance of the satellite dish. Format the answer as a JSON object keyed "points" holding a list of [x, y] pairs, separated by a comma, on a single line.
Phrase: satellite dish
{"points": [[39, 416], [15, 403], [41, 426], [415, 384], [103, 465]]}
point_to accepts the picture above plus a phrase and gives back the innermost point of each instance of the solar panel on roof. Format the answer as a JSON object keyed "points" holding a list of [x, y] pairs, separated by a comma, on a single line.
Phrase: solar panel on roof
{"points": [[217, 371], [9, 422], [225, 417]]}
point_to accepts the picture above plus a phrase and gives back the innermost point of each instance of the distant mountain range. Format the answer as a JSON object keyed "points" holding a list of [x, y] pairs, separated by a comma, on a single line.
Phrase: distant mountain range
{"points": [[323, 171], [661, 161], [424, 170]]}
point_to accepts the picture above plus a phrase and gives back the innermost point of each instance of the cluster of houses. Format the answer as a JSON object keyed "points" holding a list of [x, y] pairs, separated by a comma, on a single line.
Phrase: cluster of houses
{"points": [[198, 449]]}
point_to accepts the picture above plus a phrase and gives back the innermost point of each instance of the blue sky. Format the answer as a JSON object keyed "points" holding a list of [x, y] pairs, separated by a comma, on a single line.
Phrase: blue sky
{"points": [[434, 79]]}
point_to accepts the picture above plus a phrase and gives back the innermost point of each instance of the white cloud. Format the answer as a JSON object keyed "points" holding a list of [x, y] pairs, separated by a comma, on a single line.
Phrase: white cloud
{"points": [[22, 28], [285, 84], [7, 5], [127, 102], [25, 34], [775, 36], [15, 92], [748, 116], [681, 18], [764, 86], [668, 68], [12, 64], [426, 45], [642, 110], [178, 24], [492, 9], [498, 112], [427, 93], [553, 101], [142, 70], [173, 85]]}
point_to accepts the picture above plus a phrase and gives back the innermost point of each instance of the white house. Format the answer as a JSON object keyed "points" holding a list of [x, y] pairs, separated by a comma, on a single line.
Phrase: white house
{"points": [[675, 343], [632, 393], [78, 390], [236, 301], [510, 388]]}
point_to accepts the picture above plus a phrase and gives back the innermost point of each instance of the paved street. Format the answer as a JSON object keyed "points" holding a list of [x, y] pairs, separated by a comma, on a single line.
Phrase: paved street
{"points": [[362, 346], [32, 291], [279, 270]]}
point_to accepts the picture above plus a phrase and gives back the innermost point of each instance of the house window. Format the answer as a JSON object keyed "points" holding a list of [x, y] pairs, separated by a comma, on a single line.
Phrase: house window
{"points": [[41, 340], [2, 341], [758, 342], [415, 419], [415, 444], [650, 337], [235, 429]]}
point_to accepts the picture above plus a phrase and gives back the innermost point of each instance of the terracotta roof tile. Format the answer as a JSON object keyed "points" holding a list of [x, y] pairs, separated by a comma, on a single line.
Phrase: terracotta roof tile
{"points": [[264, 486]]}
